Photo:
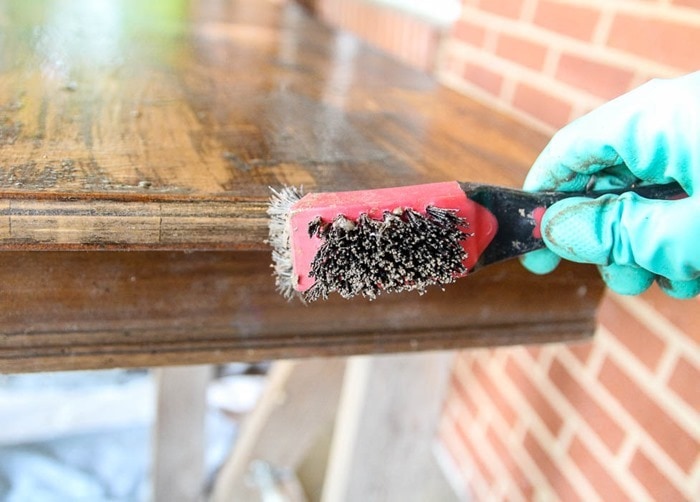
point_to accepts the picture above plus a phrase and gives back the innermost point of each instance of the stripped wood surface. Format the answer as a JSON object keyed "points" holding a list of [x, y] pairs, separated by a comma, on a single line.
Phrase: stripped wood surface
{"points": [[85, 223]]}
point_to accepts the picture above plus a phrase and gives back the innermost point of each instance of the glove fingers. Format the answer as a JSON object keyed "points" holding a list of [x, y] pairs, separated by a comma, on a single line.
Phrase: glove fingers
{"points": [[658, 236], [630, 280], [680, 289], [652, 131], [565, 165], [626, 279], [542, 261]]}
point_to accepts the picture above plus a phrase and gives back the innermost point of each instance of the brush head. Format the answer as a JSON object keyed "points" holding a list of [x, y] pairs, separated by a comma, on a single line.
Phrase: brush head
{"points": [[405, 250], [373, 241]]}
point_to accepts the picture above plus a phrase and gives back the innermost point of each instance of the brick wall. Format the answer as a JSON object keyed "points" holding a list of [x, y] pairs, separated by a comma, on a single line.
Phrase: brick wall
{"points": [[549, 61], [617, 418], [611, 419], [407, 37]]}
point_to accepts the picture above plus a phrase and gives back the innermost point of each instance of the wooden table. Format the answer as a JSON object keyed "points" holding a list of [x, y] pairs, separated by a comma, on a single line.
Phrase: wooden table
{"points": [[137, 144]]}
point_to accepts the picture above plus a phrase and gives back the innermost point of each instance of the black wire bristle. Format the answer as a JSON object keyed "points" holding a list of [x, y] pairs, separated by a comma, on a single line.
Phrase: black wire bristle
{"points": [[404, 251], [281, 203]]}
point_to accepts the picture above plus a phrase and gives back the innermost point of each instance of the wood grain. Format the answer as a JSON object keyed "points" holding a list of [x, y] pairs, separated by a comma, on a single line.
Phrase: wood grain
{"points": [[384, 439], [106, 309], [305, 394], [178, 470], [137, 144], [199, 108]]}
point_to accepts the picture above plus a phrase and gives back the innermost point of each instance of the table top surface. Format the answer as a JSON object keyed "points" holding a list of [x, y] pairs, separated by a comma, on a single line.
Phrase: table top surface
{"points": [[162, 125]]}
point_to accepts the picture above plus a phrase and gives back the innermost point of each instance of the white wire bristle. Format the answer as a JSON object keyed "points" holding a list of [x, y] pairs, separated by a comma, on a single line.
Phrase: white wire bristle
{"points": [[281, 202]]}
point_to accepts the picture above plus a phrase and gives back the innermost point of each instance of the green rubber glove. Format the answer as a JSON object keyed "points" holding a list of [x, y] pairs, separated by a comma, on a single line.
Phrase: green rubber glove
{"points": [[650, 135]]}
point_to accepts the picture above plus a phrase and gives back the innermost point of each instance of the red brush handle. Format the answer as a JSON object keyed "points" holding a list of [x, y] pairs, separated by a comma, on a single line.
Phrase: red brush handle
{"points": [[482, 224]]}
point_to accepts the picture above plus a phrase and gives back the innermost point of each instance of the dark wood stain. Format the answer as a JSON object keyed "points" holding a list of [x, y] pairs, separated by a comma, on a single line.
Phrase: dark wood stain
{"points": [[149, 308]]}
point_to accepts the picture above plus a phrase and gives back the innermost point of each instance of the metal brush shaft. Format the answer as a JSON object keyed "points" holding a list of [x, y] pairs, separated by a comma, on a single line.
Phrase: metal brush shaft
{"points": [[514, 211]]}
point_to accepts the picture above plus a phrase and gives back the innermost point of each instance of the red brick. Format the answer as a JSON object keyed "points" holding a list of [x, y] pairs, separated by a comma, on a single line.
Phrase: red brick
{"points": [[483, 77], [693, 4], [461, 435], [522, 51], [597, 78], [597, 418], [509, 8], [541, 105], [684, 382], [535, 398], [550, 470], [595, 470], [504, 453], [575, 21], [534, 351], [660, 40], [653, 480], [678, 444], [581, 350], [470, 33], [491, 388], [456, 451], [457, 387], [450, 438], [684, 314], [635, 336]]}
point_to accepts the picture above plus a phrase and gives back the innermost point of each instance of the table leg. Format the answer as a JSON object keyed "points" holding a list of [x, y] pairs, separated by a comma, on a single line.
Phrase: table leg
{"points": [[298, 403], [178, 472], [385, 430]]}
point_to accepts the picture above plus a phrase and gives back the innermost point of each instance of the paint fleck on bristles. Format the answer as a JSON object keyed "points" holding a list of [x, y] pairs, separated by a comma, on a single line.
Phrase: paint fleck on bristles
{"points": [[404, 251], [281, 203]]}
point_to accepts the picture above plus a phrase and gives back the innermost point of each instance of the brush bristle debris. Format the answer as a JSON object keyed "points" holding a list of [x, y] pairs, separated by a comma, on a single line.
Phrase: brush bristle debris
{"points": [[281, 202], [404, 251]]}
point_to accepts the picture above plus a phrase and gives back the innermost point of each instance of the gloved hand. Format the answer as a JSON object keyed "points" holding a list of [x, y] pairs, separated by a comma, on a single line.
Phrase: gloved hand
{"points": [[652, 135]]}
